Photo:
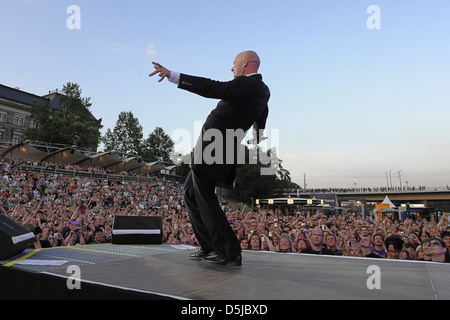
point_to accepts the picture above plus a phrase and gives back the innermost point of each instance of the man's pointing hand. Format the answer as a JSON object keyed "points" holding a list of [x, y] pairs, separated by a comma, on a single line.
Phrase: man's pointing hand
{"points": [[163, 72]]}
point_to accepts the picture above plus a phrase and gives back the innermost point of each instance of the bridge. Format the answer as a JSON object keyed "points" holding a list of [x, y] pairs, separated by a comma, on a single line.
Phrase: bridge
{"points": [[335, 198]]}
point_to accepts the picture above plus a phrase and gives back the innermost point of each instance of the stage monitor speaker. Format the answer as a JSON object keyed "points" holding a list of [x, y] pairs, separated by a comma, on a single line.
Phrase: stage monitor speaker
{"points": [[137, 230], [13, 238]]}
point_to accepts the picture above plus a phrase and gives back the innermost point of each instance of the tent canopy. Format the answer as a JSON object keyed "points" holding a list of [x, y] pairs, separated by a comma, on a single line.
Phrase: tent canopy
{"points": [[389, 202]]}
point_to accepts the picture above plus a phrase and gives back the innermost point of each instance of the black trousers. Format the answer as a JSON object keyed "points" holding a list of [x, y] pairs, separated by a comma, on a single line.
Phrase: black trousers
{"points": [[210, 224]]}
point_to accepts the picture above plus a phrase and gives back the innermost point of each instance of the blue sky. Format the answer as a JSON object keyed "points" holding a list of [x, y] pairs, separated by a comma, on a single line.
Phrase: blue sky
{"points": [[350, 103]]}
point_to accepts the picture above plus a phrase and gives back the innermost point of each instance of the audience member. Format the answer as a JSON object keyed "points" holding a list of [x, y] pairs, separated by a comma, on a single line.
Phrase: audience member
{"points": [[254, 242], [355, 250], [285, 244], [394, 245], [316, 241], [439, 252], [445, 236], [378, 245], [331, 243], [367, 248]]}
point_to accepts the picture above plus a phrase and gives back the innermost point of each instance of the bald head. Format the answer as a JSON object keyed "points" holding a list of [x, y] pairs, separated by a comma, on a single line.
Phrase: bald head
{"points": [[246, 62], [252, 57]]}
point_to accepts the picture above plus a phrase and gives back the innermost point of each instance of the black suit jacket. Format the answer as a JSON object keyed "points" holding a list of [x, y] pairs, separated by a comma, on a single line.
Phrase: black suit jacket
{"points": [[243, 104]]}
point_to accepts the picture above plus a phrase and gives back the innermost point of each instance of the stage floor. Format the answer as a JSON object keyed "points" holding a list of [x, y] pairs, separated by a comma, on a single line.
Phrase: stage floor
{"points": [[166, 272]]}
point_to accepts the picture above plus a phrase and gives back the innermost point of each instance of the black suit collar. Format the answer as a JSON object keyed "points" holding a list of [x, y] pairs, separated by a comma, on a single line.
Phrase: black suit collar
{"points": [[256, 75]]}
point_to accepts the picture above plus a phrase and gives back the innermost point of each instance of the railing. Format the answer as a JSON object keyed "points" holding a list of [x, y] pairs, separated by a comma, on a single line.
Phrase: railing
{"points": [[362, 190], [92, 175]]}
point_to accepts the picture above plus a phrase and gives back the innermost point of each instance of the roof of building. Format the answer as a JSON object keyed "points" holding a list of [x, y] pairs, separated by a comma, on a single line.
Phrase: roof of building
{"points": [[21, 96], [17, 95]]}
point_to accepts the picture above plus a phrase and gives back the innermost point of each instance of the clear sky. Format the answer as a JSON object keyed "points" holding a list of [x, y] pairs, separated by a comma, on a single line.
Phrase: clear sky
{"points": [[350, 103]]}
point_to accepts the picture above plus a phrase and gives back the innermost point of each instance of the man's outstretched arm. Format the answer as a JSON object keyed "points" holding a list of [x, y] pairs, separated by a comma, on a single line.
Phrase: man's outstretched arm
{"points": [[235, 90]]}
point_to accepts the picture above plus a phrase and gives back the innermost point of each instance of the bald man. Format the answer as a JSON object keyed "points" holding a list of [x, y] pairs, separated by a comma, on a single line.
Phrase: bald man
{"points": [[243, 104]]}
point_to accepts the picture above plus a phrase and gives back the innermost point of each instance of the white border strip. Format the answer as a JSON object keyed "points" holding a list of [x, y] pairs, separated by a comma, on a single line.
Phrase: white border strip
{"points": [[135, 231], [22, 237]]}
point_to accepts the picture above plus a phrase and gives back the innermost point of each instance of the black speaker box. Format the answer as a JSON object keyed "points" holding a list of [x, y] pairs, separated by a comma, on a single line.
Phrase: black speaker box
{"points": [[13, 238], [137, 230]]}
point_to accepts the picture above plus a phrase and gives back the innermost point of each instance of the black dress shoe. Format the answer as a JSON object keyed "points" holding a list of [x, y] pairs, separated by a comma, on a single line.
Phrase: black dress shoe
{"points": [[200, 254], [216, 260]]}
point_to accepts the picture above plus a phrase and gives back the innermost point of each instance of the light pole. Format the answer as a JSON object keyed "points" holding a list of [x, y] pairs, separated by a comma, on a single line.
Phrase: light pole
{"points": [[390, 177], [387, 180]]}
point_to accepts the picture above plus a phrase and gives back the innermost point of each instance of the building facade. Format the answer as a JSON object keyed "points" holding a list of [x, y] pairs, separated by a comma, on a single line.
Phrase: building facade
{"points": [[15, 113]]}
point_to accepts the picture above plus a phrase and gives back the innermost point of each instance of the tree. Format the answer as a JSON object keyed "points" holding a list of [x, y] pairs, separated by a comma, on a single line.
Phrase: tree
{"points": [[70, 123], [250, 183], [158, 146], [126, 136]]}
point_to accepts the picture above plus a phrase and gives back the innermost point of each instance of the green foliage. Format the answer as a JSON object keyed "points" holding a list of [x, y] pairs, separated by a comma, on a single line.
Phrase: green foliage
{"points": [[250, 183], [158, 146], [71, 124], [126, 136]]}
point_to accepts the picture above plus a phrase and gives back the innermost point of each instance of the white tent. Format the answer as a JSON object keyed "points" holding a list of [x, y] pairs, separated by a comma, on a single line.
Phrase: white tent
{"points": [[389, 202]]}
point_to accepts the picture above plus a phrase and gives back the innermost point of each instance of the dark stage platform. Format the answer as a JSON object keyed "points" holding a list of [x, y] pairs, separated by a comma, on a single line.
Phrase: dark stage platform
{"points": [[165, 272]]}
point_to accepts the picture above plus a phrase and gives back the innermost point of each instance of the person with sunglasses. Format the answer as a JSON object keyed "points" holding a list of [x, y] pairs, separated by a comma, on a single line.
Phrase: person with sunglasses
{"points": [[439, 252]]}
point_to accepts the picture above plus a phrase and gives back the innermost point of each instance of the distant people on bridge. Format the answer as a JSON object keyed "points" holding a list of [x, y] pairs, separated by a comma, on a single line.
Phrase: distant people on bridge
{"points": [[361, 190]]}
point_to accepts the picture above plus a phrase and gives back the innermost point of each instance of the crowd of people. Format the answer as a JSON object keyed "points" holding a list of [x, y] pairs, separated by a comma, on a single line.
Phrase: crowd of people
{"points": [[72, 210], [345, 235]]}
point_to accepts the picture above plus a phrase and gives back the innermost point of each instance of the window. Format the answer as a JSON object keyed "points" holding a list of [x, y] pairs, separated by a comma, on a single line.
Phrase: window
{"points": [[16, 138], [18, 121], [3, 117]]}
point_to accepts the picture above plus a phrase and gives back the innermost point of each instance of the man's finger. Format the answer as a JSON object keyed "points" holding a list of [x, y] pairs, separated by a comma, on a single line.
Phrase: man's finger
{"points": [[162, 75], [153, 73], [158, 68]]}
